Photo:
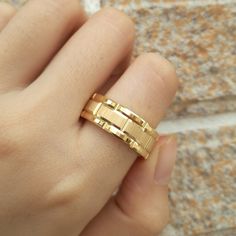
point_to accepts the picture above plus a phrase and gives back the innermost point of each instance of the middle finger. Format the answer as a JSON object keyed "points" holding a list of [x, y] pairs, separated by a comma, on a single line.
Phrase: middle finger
{"points": [[85, 63]]}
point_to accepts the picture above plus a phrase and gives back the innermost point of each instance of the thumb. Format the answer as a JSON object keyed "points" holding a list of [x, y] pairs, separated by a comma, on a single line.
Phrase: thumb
{"points": [[141, 206]]}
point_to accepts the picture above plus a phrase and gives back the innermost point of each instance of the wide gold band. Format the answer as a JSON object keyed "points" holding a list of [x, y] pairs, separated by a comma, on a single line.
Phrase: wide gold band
{"points": [[121, 122]]}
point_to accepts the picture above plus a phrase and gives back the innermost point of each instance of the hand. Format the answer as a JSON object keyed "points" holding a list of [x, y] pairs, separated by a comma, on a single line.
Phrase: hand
{"points": [[58, 171]]}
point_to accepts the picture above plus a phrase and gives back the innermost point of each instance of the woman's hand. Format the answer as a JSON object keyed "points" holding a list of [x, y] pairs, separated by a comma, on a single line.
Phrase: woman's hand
{"points": [[58, 171]]}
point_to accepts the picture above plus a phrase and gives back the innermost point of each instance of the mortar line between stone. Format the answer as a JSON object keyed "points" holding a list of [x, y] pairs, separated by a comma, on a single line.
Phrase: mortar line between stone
{"points": [[229, 229], [197, 123], [193, 3], [200, 3]]}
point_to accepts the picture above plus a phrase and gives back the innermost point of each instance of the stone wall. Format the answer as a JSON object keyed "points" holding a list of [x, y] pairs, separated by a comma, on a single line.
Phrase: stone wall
{"points": [[199, 37]]}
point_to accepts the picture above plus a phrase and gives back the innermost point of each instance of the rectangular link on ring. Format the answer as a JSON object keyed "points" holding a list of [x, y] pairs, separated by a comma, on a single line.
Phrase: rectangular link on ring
{"points": [[136, 131], [112, 116], [150, 143], [93, 106], [121, 122]]}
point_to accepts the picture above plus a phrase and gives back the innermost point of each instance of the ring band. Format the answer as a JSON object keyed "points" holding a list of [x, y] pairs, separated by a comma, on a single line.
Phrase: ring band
{"points": [[121, 122]]}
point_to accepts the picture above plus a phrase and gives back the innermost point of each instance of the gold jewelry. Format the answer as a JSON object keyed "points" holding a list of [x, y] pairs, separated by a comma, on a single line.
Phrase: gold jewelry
{"points": [[121, 122]]}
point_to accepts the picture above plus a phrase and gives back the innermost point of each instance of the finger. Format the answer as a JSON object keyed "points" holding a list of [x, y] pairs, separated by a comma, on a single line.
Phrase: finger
{"points": [[149, 84], [33, 36], [147, 88], [141, 206], [86, 62], [6, 13]]}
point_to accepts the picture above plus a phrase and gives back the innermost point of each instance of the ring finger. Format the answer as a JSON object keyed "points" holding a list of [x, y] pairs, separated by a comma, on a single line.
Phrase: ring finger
{"points": [[147, 88]]}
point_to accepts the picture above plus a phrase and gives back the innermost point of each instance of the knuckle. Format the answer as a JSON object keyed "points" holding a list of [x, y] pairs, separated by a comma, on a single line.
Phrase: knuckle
{"points": [[156, 222], [68, 190], [151, 218], [164, 70], [154, 225], [156, 62], [163, 221], [119, 21]]}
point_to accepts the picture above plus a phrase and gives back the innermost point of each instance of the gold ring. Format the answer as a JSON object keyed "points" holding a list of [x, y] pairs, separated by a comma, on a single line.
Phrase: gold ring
{"points": [[121, 122]]}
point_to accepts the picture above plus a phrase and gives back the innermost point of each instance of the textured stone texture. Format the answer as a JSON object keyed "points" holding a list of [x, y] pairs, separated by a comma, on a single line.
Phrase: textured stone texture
{"points": [[229, 232], [198, 36], [202, 108], [204, 182]]}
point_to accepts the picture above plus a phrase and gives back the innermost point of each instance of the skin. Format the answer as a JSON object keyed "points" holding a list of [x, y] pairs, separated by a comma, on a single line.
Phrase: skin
{"points": [[58, 172]]}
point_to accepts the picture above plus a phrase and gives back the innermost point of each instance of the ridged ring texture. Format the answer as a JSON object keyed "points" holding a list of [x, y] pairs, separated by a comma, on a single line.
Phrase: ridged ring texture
{"points": [[121, 122]]}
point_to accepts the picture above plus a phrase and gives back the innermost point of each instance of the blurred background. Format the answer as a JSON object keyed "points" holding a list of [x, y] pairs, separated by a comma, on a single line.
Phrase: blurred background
{"points": [[199, 38]]}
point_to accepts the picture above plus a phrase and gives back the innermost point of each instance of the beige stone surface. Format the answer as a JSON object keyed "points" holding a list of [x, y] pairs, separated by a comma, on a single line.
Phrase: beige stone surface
{"points": [[203, 186], [197, 36], [201, 108], [227, 232]]}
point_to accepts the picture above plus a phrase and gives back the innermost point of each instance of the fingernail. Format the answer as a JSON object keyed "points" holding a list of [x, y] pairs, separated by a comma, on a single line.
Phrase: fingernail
{"points": [[166, 160]]}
